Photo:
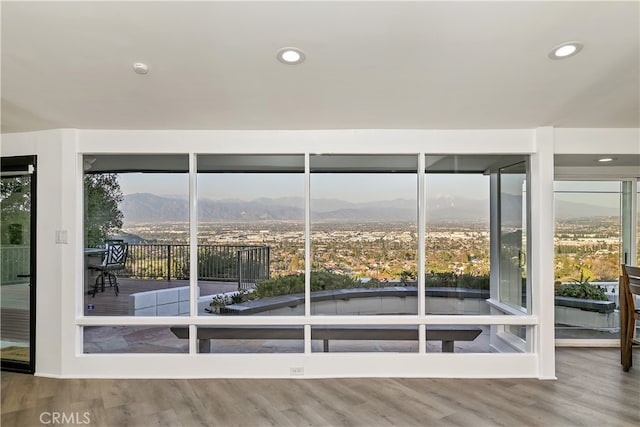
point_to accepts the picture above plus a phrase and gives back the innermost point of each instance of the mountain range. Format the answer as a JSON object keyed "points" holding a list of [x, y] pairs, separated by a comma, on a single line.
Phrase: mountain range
{"points": [[146, 207]]}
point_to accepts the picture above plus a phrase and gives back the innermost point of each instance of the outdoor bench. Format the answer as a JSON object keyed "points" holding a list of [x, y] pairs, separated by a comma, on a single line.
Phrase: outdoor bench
{"points": [[447, 334]]}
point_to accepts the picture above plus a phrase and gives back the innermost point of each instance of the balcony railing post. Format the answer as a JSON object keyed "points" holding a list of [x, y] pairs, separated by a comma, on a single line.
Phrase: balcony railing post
{"points": [[239, 268], [169, 263], [266, 264]]}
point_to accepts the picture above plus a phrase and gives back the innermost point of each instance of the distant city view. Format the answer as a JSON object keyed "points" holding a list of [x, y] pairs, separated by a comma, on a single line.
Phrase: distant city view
{"points": [[365, 225], [373, 239]]}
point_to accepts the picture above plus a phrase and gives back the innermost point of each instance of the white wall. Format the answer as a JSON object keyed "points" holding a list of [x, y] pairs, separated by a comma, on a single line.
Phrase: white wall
{"points": [[60, 271], [53, 211], [597, 141]]}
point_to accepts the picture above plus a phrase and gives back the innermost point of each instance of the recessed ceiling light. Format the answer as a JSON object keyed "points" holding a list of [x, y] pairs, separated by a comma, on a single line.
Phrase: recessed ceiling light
{"points": [[565, 50], [140, 68], [606, 159], [290, 55]]}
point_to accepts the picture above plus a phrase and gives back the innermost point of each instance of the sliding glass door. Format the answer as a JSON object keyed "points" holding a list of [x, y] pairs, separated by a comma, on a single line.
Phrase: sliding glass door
{"points": [[17, 272], [593, 236]]}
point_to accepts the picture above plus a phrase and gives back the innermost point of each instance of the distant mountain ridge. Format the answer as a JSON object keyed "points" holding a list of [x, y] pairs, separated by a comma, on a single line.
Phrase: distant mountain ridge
{"points": [[146, 207], [569, 210]]}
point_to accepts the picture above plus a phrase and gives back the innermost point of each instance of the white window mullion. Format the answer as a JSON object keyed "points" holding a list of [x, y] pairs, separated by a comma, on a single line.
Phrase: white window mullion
{"points": [[307, 252], [193, 247], [422, 208], [628, 216]]}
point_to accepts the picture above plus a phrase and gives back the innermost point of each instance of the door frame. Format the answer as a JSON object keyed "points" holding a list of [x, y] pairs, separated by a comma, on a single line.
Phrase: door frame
{"points": [[19, 164]]}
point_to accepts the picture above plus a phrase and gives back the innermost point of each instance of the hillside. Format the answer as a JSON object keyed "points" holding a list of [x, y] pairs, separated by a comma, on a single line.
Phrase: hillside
{"points": [[145, 207]]}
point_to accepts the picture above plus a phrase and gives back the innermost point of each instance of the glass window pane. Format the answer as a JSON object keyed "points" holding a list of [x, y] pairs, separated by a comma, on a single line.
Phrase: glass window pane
{"points": [[136, 235], [457, 243], [250, 339], [363, 234], [458, 339], [251, 234], [460, 192], [133, 339], [364, 338]]}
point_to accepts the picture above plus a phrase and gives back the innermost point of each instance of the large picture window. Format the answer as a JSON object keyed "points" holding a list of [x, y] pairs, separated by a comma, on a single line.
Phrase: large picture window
{"points": [[302, 238]]}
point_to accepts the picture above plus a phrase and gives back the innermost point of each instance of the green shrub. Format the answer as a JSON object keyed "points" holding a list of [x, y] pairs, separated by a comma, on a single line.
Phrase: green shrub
{"points": [[324, 280], [293, 284], [238, 297], [581, 290], [241, 296], [320, 281], [449, 279]]}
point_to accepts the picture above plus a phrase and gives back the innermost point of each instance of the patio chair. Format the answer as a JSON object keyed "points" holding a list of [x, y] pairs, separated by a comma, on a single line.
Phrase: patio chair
{"points": [[629, 288], [114, 259]]}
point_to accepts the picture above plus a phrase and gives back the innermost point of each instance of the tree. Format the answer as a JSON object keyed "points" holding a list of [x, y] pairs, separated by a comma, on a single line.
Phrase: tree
{"points": [[15, 202], [296, 265], [102, 215]]}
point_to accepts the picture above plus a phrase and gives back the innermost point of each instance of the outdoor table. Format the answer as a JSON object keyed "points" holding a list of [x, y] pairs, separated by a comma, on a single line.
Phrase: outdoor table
{"points": [[92, 256]]}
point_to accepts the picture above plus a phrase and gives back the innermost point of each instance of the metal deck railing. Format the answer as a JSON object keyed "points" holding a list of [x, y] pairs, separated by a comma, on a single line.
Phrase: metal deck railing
{"points": [[14, 263], [233, 263]]}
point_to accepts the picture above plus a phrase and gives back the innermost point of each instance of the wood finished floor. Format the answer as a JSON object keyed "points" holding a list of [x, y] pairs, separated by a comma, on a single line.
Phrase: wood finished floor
{"points": [[591, 390]]}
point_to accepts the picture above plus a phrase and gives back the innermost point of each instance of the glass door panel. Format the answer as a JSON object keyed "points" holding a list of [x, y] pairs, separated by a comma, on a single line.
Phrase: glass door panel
{"points": [[16, 274], [592, 237], [513, 242]]}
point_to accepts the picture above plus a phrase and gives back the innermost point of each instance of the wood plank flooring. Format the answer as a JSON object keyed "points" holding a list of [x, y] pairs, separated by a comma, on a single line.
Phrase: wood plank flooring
{"points": [[591, 390]]}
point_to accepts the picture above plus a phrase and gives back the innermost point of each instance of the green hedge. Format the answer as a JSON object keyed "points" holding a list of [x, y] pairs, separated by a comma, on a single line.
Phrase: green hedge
{"points": [[581, 290], [324, 280], [320, 281], [451, 280]]}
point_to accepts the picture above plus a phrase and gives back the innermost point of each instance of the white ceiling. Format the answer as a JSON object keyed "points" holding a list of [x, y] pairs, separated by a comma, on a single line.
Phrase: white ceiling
{"points": [[413, 65]]}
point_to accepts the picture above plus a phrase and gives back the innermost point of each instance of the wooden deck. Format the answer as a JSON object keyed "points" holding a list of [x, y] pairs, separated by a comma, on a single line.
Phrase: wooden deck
{"points": [[108, 304], [14, 313]]}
